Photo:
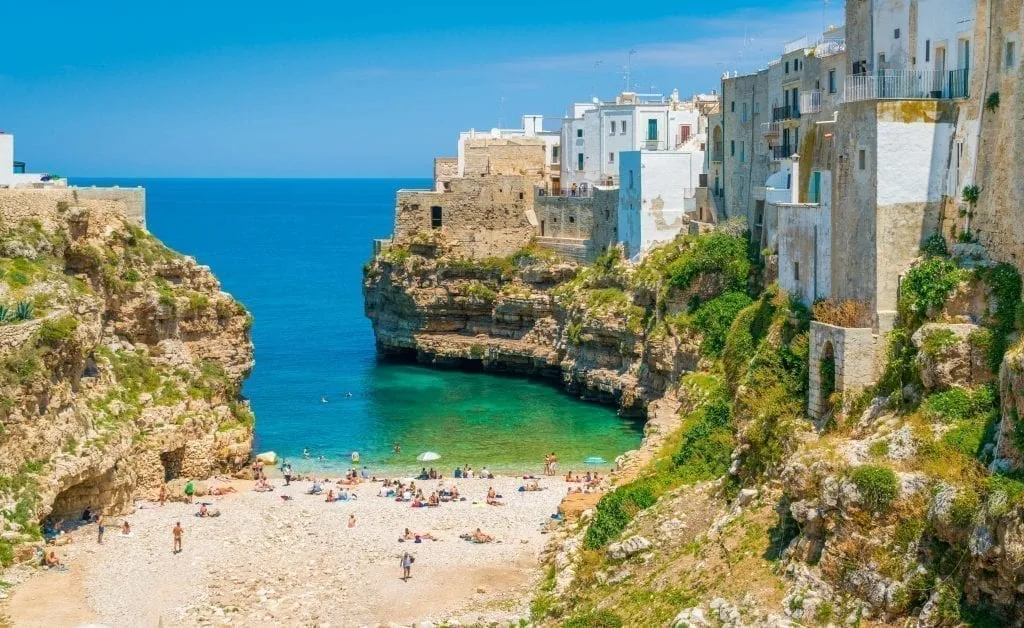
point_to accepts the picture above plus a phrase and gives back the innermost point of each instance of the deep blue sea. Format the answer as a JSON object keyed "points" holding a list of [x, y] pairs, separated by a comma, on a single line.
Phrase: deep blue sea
{"points": [[292, 251]]}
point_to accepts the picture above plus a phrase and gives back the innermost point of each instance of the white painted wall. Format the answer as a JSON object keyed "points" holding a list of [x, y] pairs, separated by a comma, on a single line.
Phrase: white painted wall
{"points": [[656, 191], [805, 238], [943, 22], [7, 176], [911, 161]]}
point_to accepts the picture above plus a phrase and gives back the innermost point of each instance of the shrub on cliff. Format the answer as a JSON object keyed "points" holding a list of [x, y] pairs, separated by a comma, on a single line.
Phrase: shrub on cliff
{"points": [[713, 318], [927, 286], [707, 443], [617, 509], [712, 253], [878, 486], [54, 331], [848, 313]]}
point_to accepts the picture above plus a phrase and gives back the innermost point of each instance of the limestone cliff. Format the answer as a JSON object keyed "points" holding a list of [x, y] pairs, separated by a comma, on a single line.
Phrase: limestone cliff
{"points": [[121, 365], [904, 502]]}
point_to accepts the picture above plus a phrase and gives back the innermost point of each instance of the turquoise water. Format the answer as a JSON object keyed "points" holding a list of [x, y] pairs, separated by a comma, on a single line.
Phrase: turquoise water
{"points": [[293, 251]]}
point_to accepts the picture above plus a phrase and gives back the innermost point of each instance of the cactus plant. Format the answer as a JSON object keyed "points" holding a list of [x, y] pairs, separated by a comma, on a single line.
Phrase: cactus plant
{"points": [[5, 314], [23, 311]]}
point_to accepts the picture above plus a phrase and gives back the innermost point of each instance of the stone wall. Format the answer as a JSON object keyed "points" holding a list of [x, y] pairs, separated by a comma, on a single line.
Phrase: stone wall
{"points": [[445, 169], [748, 166], [578, 227], [804, 240], [505, 156], [39, 203], [480, 216], [856, 356], [999, 216]]}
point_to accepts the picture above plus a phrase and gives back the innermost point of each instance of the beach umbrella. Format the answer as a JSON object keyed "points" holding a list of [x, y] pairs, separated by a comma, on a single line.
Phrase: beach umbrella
{"points": [[428, 456]]}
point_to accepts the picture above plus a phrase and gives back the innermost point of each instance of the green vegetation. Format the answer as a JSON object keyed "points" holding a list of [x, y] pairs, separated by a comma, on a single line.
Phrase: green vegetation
{"points": [[992, 102], [928, 285], [935, 246], [617, 509], [1005, 283], [713, 319], [55, 331], [937, 341], [601, 618], [713, 253], [878, 486], [481, 292]]}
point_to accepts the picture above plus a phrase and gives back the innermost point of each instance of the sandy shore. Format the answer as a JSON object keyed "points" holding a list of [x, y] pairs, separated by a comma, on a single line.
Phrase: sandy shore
{"points": [[296, 562]]}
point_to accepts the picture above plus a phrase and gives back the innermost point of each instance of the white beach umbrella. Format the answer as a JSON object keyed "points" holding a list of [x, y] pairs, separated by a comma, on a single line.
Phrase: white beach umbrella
{"points": [[428, 456]]}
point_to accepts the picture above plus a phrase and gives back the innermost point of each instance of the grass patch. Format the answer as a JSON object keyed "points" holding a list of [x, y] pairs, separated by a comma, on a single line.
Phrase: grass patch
{"points": [[878, 486]]}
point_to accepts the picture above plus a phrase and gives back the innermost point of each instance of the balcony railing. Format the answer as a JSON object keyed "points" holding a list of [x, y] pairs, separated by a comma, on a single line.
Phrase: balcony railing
{"points": [[581, 191], [908, 85], [771, 129], [810, 102], [718, 152], [785, 112], [784, 151]]}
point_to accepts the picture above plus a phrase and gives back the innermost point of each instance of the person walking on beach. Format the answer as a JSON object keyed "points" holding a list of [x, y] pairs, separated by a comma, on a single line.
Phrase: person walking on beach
{"points": [[163, 494], [176, 532], [407, 561], [287, 474], [99, 529]]}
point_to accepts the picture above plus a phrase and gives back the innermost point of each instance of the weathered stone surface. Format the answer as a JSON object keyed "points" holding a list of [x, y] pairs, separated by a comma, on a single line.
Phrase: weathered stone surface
{"points": [[629, 547], [952, 356]]}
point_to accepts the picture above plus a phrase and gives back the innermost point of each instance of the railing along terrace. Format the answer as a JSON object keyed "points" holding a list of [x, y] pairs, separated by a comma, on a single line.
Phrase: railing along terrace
{"points": [[785, 151], [908, 85], [810, 102], [581, 191], [770, 129], [797, 44], [785, 112]]}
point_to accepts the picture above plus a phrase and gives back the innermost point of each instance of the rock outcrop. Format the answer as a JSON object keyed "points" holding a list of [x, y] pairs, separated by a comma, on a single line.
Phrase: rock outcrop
{"points": [[121, 364]]}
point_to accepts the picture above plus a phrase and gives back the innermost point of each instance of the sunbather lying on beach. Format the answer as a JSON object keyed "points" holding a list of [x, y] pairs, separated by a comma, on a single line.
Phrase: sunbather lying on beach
{"points": [[530, 486], [477, 537], [262, 486], [207, 512]]}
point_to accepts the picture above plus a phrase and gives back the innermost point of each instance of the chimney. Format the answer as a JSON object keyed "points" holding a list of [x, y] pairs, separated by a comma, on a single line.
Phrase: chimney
{"points": [[794, 181]]}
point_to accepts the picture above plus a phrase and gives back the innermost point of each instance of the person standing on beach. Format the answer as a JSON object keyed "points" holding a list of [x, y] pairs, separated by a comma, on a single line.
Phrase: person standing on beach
{"points": [[287, 474], [99, 529], [554, 464], [176, 532], [407, 561], [163, 494]]}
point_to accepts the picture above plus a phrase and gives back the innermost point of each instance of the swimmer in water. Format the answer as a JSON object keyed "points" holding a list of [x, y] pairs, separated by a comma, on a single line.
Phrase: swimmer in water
{"points": [[305, 452], [348, 395], [323, 399]]}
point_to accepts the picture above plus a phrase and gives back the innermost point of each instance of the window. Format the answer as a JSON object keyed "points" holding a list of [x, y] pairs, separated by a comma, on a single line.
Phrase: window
{"points": [[787, 67], [631, 179], [613, 128], [796, 271], [579, 161], [757, 108], [652, 130], [435, 217], [611, 158], [623, 126], [743, 152], [572, 219], [831, 81], [732, 106], [579, 132], [927, 50], [862, 159], [745, 117], [1011, 55], [555, 154], [896, 34], [732, 148]]}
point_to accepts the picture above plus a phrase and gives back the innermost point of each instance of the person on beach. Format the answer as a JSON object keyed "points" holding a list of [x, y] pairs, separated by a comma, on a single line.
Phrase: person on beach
{"points": [[52, 560], [163, 494], [492, 498], [287, 470], [126, 529], [351, 521], [407, 561], [100, 528], [355, 457], [176, 532], [330, 496], [397, 448], [554, 464], [190, 490]]}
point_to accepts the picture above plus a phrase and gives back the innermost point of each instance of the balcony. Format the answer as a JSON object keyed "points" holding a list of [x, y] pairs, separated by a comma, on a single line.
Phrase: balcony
{"points": [[784, 151], [785, 112], [810, 102], [771, 129], [908, 85], [718, 152]]}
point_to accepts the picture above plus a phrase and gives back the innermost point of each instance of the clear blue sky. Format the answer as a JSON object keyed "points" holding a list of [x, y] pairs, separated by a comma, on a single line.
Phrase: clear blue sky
{"points": [[321, 89]]}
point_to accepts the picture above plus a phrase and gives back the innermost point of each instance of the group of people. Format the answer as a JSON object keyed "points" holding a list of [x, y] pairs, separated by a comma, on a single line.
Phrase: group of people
{"points": [[466, 472], [551, 464]]}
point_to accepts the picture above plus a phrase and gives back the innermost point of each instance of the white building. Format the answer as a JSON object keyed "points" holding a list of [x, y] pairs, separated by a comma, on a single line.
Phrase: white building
{"points": [[597, 133], [12, 173], [657, 189], [533, 127]]}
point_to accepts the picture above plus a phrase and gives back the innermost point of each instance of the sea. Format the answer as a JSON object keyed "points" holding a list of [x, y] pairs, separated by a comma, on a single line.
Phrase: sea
{"points": [[293, 252]]}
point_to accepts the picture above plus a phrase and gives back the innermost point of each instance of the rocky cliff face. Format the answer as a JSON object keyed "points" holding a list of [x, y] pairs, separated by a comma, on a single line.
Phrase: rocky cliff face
{"points": [[121, 364], [905, 503]]}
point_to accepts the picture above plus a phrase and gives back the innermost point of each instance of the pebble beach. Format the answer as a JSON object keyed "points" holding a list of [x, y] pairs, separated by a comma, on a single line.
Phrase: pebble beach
{"points": [[296, 562]]}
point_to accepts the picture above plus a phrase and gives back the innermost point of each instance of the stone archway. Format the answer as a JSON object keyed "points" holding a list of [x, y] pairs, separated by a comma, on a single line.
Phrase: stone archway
{"points": [[827, 377]]}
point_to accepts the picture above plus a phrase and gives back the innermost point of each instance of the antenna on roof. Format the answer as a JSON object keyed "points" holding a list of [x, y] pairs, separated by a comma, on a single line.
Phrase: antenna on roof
{"points": [[629, 63]]}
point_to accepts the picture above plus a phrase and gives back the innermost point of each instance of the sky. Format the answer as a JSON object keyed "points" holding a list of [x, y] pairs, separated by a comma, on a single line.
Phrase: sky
{"points": [[228, 88]]}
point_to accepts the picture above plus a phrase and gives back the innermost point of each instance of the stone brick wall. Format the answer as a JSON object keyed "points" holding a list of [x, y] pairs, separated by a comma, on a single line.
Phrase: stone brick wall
{"points": [[32, 203], [445, 169], [577, 227], [505, 156], [480, 217], [857, 359]]}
